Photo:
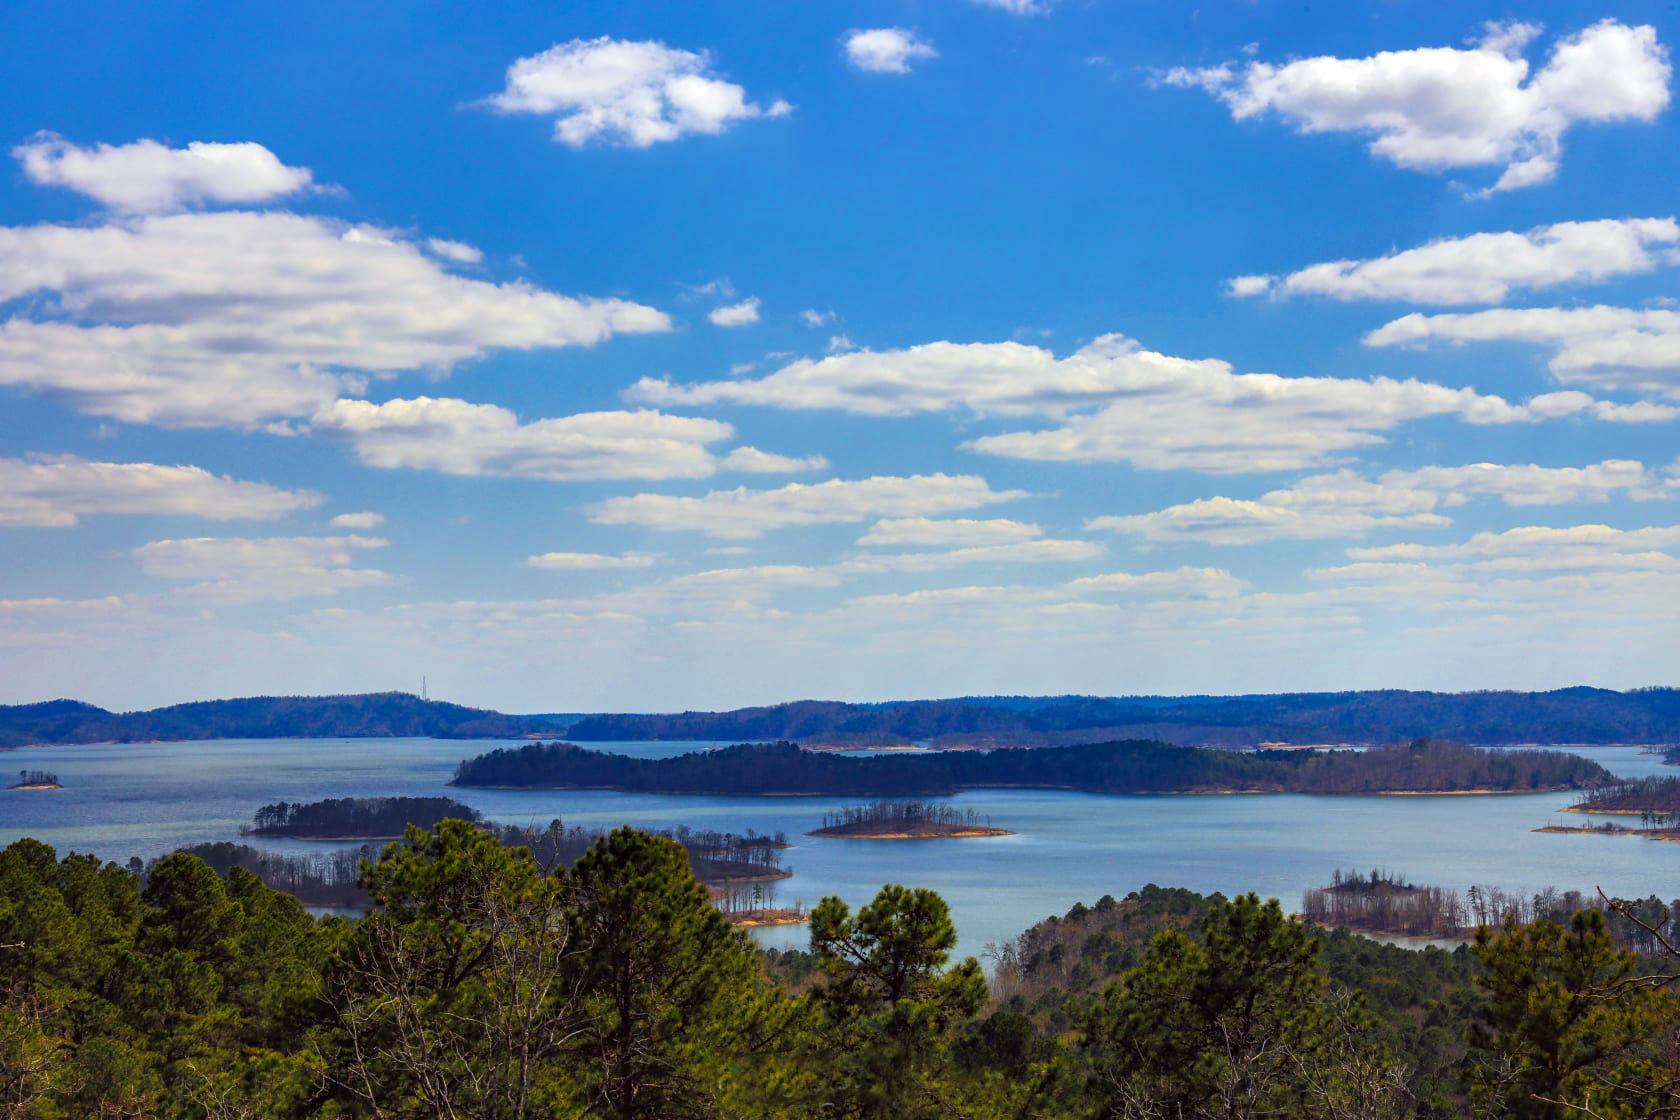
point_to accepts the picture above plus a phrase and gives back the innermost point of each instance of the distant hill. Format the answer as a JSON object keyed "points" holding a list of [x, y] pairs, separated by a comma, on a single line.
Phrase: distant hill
{"points": [[375, 714], [1567, 715]]}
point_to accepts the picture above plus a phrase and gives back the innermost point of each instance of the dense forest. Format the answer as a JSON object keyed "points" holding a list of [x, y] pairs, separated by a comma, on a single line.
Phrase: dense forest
{"points": [[1568, 715], [1382, 902], [1122, 767], [480, 986], [264, 717], [355, 818]]}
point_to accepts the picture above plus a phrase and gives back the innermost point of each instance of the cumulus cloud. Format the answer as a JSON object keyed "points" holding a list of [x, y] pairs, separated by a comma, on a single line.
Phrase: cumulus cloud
{"points": [[234, 570], [458, 437], [1434, 108], [954, 532], [742, 514], [357, 521], [1526, 549], [886, 50], [1151, 409], [1485, 267], [1201, 583], [751, 460], [147, 177], [587, 561], [239, 318], [1602, 347], [632, 93], [743, 314], [55, 491], [811, 317], [1343, 504]]}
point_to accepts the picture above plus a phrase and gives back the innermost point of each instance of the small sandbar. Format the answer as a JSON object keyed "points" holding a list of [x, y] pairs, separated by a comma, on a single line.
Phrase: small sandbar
{"points": [[38, 785], [749, 919]]}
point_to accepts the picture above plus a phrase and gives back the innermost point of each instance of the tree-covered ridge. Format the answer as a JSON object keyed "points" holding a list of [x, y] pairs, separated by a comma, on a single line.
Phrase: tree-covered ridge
{"points": [[355, 818], [480, 986], [1658, 797], [376, 714], [1121, 767], [1568, 715]]}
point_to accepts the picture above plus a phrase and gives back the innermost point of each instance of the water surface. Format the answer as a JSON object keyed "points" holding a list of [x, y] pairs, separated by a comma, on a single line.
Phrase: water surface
{"points": [[148, 799]]}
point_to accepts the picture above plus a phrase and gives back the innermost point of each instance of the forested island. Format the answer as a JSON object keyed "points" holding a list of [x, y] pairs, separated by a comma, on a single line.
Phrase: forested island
{"points": [[1137, 766], [356, 818], [376, 714], [36, 779], [905, 820], [481, 985]]}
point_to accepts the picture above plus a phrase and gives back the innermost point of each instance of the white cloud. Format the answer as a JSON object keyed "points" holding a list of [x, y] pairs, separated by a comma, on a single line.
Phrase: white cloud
{"points": [[587, 561], [1541, 548], [621, 92], [886, 50], [1019, 7], [1242, 287], [743, 314], [458, 437], [1153, 410], [147, 177], [1343, 504], [1434, 108], [1485, 267], [239, 318], [1041, 551], [56, 490], [753, 461], [357, 521], [1199, 583], [234, 570], [742, 514], [958, 532], [1602, 347], [458, 251], [811, 317]]}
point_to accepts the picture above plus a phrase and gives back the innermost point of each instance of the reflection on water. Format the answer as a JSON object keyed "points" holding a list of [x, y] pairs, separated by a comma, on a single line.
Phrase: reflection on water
{"points": [[151, 798]]}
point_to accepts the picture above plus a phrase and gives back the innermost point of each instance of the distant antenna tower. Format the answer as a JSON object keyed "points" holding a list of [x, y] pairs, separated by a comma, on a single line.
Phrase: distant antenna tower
{"points": [[422, 686]]}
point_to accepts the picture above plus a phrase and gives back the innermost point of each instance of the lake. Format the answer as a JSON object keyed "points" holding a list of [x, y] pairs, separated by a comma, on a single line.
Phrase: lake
{"points": [[147, 799]]}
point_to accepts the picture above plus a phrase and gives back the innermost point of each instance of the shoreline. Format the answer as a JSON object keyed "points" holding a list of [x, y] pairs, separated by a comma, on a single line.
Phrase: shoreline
{"points": [[39, 785]]}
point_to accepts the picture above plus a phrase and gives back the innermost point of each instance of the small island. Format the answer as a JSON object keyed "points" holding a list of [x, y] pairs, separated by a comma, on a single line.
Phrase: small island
{"points": [[905, 820], [36, 779], [356, 818]]}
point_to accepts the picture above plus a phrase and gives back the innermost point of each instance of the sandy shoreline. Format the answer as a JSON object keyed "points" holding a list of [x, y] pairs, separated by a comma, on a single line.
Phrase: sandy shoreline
{"points": [[937, 834]]}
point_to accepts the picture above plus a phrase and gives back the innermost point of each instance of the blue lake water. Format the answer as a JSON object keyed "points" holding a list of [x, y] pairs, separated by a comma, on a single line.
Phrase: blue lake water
{"points": [[147, 799]]}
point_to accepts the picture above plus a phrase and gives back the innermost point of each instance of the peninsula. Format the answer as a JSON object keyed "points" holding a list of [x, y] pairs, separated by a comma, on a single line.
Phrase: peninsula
{"points": [[356, 818], [1132, 766]]}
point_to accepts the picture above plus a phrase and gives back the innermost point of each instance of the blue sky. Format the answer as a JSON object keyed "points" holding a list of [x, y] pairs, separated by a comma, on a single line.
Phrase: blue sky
{"points": [[590, 357]]}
